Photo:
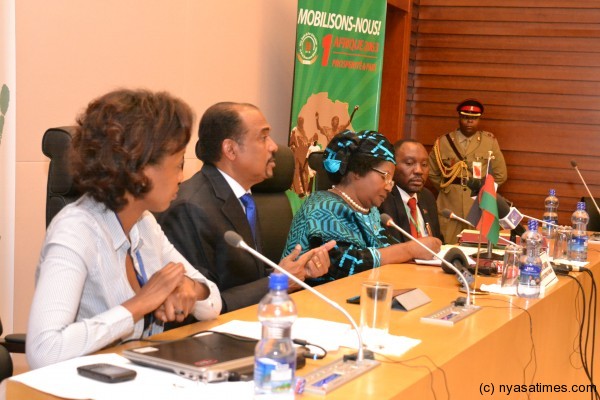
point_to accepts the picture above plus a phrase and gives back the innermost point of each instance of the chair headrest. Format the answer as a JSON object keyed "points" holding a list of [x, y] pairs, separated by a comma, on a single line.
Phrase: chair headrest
{"points": [[55, 145], [315, 160], [283, 174]]}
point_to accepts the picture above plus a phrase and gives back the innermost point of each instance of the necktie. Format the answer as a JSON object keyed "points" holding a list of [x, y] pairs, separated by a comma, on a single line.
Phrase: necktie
{"points": [[466, 143], [248, 202], [412, 204]]}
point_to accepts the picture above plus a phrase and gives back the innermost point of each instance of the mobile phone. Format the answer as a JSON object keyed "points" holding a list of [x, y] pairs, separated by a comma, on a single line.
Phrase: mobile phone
{"points": [[106, 372], [353, 300]]}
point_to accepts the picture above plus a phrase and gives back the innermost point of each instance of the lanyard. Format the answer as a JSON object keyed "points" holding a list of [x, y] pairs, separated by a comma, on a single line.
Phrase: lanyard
{"points": [[140, 275], [142, 278]]}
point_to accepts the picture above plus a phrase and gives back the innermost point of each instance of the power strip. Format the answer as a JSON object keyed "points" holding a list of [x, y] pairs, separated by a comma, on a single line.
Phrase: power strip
{"points": [[450, 315], [335, 374]]}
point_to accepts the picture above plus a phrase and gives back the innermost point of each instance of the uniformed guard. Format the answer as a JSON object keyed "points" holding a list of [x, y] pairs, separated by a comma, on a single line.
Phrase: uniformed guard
{"points": [[458, 165]]}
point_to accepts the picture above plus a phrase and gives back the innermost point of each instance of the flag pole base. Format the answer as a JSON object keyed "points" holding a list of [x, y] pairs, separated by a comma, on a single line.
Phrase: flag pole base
{"points": [[486, 264]]}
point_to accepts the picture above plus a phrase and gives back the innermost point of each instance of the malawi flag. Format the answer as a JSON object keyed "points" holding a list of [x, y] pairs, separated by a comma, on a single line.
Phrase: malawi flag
{"points": [[488, 224]]}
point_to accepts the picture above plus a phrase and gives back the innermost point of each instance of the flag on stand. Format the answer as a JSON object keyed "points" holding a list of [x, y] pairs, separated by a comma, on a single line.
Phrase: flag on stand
{"points": [[488, 223]]}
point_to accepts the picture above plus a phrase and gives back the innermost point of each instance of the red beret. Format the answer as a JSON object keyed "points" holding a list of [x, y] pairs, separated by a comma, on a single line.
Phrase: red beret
{"points": [[470, 108]]}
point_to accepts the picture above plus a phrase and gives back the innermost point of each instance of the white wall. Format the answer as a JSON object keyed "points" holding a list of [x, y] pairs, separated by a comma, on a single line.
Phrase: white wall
{"points": [[70, 51], [7, 161]]}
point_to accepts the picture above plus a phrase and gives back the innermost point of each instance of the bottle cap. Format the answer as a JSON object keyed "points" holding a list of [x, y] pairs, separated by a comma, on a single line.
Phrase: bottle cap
{"points": [[581, 205], [552, 192], [278, 281]]}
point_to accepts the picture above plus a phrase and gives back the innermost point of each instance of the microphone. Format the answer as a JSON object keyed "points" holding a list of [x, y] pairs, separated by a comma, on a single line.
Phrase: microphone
{"points": [[565, 269], [510, 217], [541, 221], [235, 240], [574, 164], [450, 215], [386, 220]]}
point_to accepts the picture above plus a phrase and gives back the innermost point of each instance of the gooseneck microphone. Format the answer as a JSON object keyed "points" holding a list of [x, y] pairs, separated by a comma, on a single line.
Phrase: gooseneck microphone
{"points": [[541, 221], [386, 220], [450, 215], [235, 240], [574, 164]]}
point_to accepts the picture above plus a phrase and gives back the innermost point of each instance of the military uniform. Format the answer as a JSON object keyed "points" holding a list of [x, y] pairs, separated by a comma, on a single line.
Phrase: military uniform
{"points": [[454, 194]]}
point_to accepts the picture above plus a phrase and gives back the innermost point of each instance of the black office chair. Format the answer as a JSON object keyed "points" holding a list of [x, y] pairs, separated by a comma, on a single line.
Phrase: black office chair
{"points": [[590, 207], [59, 190], [315, 161], [14, 343], [6, 364], [275, 211]]}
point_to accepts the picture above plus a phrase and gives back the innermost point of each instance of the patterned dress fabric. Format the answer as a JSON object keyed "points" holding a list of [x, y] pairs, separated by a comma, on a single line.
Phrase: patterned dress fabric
{"points": [[325, 216]]}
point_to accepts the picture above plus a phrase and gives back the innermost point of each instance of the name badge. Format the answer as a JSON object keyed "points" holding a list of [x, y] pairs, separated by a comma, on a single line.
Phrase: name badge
{"points": [[477, 169]]}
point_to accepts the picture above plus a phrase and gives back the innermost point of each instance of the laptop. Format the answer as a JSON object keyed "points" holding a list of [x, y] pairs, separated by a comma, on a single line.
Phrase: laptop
{"points": [[207, 357]]}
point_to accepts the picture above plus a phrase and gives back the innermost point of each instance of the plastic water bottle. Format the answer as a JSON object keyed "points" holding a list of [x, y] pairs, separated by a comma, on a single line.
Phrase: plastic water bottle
{"points": [[275, 354], [530, 269], [550, 214], [579, 240]]}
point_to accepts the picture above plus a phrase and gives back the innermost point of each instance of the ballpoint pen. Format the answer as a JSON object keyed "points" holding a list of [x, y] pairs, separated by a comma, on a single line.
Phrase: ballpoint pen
{"points": [[428, 229]]}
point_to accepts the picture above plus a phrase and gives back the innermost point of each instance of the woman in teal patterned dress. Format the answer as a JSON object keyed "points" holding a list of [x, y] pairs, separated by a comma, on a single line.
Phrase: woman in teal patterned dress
{"points": [[361, 166]]}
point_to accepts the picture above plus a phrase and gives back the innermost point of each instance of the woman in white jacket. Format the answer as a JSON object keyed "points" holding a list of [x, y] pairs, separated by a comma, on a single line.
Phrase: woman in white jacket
{"points": [[106, 271]]}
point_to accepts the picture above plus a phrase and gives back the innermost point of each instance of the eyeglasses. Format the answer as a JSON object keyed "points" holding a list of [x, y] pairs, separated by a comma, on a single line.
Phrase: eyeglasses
{"points": [[385, 175]]}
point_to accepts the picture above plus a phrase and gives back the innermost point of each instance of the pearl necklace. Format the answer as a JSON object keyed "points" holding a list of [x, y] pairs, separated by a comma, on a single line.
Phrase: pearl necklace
{"points": [[350, 201]]}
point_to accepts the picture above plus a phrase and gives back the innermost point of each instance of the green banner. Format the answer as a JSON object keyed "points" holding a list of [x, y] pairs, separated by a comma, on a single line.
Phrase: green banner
{"points": [[337, 74]]}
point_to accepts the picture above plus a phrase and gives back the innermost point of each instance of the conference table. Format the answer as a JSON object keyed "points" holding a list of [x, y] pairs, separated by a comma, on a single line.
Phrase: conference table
{"points": [[511, 341]]}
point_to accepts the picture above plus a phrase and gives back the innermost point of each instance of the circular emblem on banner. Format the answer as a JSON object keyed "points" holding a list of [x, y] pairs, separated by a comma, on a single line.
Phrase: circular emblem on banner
{"points": [[307, 49]]}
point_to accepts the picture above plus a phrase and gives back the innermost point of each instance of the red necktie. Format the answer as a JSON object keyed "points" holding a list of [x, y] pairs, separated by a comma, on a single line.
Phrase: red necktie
{"points": [[412, 204]]}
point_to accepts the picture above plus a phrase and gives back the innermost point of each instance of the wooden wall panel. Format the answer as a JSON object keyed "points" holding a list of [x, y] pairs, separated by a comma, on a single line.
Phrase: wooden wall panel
{"points": [[493, 86], [577, 59], [508, 41], [535, 66], [586, 4], [468, 16], [396, 58]]}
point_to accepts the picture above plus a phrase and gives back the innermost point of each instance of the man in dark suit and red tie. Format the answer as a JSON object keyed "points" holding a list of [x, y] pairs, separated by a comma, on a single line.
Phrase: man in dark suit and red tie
{"points": [[410, 204]]}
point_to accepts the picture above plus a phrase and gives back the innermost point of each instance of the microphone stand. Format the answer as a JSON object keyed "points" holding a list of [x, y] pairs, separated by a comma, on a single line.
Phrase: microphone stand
{"points": [[541, 221], [235, 240], [449, 314], [449, 214], [352, 369], [387, 221], [574, 164]]}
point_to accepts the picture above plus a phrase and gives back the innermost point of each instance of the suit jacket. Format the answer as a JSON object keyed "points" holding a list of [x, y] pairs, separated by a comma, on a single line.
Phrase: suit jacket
{"points": [[206, 208], [394, 207]]}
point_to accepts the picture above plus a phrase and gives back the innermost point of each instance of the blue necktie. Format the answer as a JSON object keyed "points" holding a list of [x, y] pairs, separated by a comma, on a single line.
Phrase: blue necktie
{"points": [[248, 202]]}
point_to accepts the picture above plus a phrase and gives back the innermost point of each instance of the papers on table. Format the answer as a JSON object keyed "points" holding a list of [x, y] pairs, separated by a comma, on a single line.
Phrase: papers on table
{"points": [[324, 333], [327, 334], [61, 379], [469, 251]]}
